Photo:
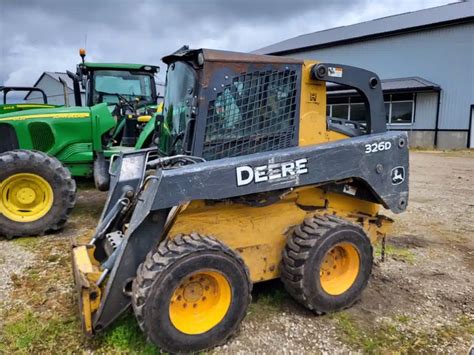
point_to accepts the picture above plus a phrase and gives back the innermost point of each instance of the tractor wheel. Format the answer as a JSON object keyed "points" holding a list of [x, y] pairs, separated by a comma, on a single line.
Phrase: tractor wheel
{"points": [[327, 263], [37, 193], [191, 293]]}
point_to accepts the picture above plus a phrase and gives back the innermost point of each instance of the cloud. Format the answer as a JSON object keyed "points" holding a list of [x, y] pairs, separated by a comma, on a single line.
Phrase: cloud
{"points": [[45, 35]]}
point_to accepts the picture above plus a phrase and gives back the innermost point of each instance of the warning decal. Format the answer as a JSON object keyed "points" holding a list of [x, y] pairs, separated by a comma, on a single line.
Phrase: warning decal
{"points": [[335, 72]]}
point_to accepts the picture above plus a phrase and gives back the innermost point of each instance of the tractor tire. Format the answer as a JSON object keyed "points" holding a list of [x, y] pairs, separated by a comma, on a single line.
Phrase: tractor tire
{"points": [[37, 193], [191, 294], [339, 252]]}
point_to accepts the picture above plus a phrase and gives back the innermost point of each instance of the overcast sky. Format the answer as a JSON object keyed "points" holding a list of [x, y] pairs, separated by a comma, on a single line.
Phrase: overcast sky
{"points": [[45, 35]]}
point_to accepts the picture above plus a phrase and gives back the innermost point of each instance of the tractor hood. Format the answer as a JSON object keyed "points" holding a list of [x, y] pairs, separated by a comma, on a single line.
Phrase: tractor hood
{"points": [[58, 131], [9, 108], [45, 113]]}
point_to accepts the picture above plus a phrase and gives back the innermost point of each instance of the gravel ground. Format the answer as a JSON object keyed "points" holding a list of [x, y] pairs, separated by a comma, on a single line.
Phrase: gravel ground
{"points": [[13, 260], [429, 286], [292, 331], [419, 300]]}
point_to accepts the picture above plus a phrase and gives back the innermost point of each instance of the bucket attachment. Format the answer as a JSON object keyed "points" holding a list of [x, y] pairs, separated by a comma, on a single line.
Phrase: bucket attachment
{"points": [[86, 274], [105, 266]]}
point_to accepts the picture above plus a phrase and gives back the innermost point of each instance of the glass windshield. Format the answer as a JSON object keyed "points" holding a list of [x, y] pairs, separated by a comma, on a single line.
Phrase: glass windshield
{"points": [[180, 87], [130, 85]]}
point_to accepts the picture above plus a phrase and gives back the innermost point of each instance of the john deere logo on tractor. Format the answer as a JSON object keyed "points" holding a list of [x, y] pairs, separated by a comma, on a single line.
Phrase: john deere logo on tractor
{"points": [[246, 174], [398, 175]]}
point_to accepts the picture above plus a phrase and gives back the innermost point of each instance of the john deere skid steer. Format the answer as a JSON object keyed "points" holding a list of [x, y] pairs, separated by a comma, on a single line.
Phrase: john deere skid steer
{"points": [[263, 185], [42, 150]]}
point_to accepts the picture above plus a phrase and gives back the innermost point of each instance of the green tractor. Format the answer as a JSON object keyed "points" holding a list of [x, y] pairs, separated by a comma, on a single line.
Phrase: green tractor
{"points": [[43, 150], [6, 107]]}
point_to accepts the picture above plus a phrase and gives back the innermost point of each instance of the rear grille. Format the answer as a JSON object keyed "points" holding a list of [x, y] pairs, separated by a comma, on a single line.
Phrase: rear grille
{"points": [[254, 113], [41, 136], [8, 139]]}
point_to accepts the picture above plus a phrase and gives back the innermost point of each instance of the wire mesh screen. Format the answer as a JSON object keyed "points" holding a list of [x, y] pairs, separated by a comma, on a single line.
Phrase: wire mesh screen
{"points": [[255, 112]]}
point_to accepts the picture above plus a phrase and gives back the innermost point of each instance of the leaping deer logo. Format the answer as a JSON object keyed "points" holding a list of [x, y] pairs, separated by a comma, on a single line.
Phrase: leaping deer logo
{"points": [[398, 175]]}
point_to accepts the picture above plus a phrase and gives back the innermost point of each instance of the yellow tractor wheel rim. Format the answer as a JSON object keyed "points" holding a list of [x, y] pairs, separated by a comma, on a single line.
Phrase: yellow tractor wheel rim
{"points": [[200, 302], [339, 269], [25, 197]]}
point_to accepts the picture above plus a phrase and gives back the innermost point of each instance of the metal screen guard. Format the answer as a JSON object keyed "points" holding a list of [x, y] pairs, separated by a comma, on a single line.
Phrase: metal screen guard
{"points": [[248, 108]]}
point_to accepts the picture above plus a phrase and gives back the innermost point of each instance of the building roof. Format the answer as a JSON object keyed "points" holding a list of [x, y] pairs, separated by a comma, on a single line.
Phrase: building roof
{"points": [[410, 84], [56, 76], [433, 17], [414, 83]]}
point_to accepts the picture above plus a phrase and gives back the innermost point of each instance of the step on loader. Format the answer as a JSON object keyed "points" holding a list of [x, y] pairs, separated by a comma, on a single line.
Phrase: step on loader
{"points": [[264, 186]]}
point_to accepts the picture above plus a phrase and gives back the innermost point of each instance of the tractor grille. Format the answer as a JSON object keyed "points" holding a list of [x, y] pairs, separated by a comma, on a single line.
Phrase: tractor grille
{"points": [[255, 112], [8, 139], [41, 136]]}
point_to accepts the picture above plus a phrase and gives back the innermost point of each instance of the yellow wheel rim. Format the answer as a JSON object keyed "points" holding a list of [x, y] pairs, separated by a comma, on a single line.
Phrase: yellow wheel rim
{"points": [[339, 269], [200, 302], [25, 197]]}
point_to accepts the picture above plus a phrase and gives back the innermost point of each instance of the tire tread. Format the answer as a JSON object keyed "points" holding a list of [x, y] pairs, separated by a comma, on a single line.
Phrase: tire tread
{"points": [[297, 250], [163, 257]]}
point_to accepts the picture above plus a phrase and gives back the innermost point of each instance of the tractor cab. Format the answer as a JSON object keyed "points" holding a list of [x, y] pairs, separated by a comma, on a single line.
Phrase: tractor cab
{"points": [[129, 90]]}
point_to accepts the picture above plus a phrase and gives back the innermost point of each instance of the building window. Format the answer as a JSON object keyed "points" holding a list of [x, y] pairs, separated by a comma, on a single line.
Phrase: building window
{"points": [[340, 111], [401, 112], [399, 108], [357, 112]]}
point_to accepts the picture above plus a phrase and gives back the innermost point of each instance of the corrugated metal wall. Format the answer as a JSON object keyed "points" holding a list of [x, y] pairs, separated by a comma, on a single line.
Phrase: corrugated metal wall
{"points": [[54, 91], [426, 105], [444, 56]]}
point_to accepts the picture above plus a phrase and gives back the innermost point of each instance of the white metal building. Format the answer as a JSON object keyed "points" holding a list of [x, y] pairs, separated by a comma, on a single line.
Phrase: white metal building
{"points": [[52, 84], [425, 60]]}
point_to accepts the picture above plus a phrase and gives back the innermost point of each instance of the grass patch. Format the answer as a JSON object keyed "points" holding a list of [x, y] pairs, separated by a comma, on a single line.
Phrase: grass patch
{"points": [[126, 336], [387, 335], [397, 253], [30, 333], [44, 317], [268, 297], [403, 319], [29, 243]]}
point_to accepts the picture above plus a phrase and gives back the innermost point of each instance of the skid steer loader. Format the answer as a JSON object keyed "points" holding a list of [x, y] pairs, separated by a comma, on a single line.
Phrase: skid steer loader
{"points": [[264, 186]]}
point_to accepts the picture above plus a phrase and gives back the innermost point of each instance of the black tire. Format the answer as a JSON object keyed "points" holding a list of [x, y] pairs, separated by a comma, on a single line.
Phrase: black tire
{"points": [[303, 258], [163, 271], [55, 174]]}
